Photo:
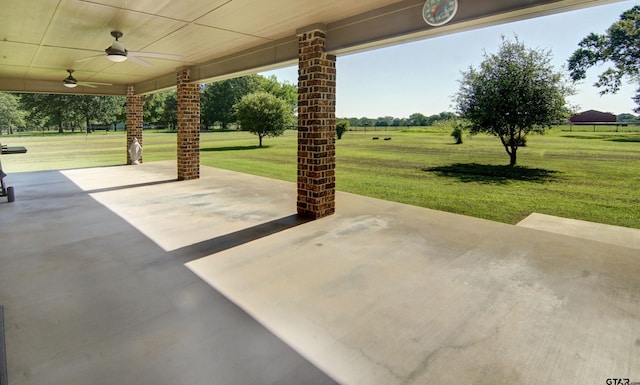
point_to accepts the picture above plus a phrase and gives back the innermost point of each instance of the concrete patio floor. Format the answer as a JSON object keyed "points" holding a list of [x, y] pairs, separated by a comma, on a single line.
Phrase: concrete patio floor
{"points": [[103, 271]]}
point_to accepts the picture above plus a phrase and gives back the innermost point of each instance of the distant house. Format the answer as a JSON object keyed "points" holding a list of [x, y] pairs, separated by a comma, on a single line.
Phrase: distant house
{"points": [[592, 116]]}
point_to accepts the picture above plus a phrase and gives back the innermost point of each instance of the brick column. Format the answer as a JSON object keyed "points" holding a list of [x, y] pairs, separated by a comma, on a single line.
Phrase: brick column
{"points": [[316, 126], [134, 119], [188, 127]]}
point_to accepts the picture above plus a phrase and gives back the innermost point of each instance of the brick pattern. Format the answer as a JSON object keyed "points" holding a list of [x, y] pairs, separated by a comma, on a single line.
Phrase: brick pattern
{"points": [[316, 126], [134, 119], [188, 95]]}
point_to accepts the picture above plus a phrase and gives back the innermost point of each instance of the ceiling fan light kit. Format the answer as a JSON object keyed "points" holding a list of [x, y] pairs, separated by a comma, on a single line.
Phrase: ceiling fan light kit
{"points": [[117, 57], [70, 81], [116, 52]]}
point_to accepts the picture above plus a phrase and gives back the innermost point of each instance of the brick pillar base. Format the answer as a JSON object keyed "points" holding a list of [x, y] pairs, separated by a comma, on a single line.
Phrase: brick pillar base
{"points": [[316, 126], [134, 119], [188, 127]]}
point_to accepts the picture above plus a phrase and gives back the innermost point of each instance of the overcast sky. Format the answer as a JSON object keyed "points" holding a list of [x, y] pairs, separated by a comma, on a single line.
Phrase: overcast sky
{"points": [[422, 76]]}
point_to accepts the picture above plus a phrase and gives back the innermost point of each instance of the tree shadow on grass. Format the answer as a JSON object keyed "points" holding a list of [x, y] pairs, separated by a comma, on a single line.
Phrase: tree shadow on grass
{"points": [[626, 139], [231, 148], [610, 137], [485, 173], [586, 137]]}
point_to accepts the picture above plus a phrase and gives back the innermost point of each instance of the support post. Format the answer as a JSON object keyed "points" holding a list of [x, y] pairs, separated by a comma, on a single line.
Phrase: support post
{"points": [[316, 125], [134, 119], [188, 95]]}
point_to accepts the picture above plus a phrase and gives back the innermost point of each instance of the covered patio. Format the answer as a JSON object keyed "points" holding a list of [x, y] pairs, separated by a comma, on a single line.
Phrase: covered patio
{"points": [[104, 280], [184, 274]]}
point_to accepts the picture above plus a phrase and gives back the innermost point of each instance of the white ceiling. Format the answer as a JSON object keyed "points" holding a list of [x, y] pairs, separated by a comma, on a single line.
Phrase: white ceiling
{"points": [[40, 39]]}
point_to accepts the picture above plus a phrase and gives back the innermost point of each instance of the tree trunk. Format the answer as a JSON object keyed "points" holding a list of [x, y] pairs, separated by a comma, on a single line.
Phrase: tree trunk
{"points": [[510, 148], [512, 156], [260, 136]]}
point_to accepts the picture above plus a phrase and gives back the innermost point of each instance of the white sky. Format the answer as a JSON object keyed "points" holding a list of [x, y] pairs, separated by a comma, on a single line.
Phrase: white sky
{"points": [[422, 76]]}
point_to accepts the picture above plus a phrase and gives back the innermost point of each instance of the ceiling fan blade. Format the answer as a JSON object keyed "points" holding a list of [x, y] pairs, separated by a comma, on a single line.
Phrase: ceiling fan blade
{"points": [[155, 55], [94, 84], [139, 61], [87, 58]]}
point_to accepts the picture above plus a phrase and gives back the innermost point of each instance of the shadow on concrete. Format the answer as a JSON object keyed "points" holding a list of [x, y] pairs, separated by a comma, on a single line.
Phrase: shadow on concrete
{"points": [[492, 174], [128, 186], [237, 238]]}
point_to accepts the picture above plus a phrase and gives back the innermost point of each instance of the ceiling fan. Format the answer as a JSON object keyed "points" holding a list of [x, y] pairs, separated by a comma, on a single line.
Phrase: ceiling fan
{"points": [[71, 82], [117, 53]]}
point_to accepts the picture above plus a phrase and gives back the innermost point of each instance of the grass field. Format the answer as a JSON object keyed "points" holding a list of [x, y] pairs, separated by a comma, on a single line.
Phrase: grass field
{"points": [[578, 174]]}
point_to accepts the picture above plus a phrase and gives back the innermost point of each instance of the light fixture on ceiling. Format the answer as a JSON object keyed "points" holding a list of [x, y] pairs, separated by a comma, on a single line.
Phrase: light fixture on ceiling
{"points": [[116, 52], [70, 82]]}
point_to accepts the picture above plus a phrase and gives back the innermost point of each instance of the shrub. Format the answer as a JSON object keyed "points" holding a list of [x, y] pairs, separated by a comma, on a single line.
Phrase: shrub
{"points": [[341, 127], [457, 134]]}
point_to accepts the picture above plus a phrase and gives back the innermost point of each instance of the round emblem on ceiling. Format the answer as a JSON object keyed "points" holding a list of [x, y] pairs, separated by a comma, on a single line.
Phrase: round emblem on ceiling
{"points": [[439, 12]]}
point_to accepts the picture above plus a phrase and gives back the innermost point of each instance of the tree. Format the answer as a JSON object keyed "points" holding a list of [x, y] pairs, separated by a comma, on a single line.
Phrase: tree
{"points": [[48, 109], [626, 118], [153, 108], [217, 99], [620, 46], [69, 110], [285, 90], [366, 122], [264, 114], [11, 115], [418, 119], [169, 117], [512, 93], [104, 109], [355, 122], [384, 121], [342, 127]]}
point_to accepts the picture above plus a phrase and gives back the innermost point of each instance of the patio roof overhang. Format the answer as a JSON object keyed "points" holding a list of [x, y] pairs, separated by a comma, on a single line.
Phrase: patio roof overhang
{"points": [[217, 39]]}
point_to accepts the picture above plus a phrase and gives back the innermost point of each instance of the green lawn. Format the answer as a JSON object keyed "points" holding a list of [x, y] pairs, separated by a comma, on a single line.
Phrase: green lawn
{"points": [[580, 174]]}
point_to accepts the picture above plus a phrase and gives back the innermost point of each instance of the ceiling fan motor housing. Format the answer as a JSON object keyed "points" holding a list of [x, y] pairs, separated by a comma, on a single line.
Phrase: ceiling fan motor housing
{"points": [[117, 49], [70, 81]]}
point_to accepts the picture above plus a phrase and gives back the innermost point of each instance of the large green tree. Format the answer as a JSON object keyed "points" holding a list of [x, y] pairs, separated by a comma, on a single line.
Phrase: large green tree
{"points": [[71, 110], [512, 93], [103, 109], [49, 109], [153, 108], [217, 99], [619, 46], [285, 90], [169, 117], [11, 115], [264, 114]]}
